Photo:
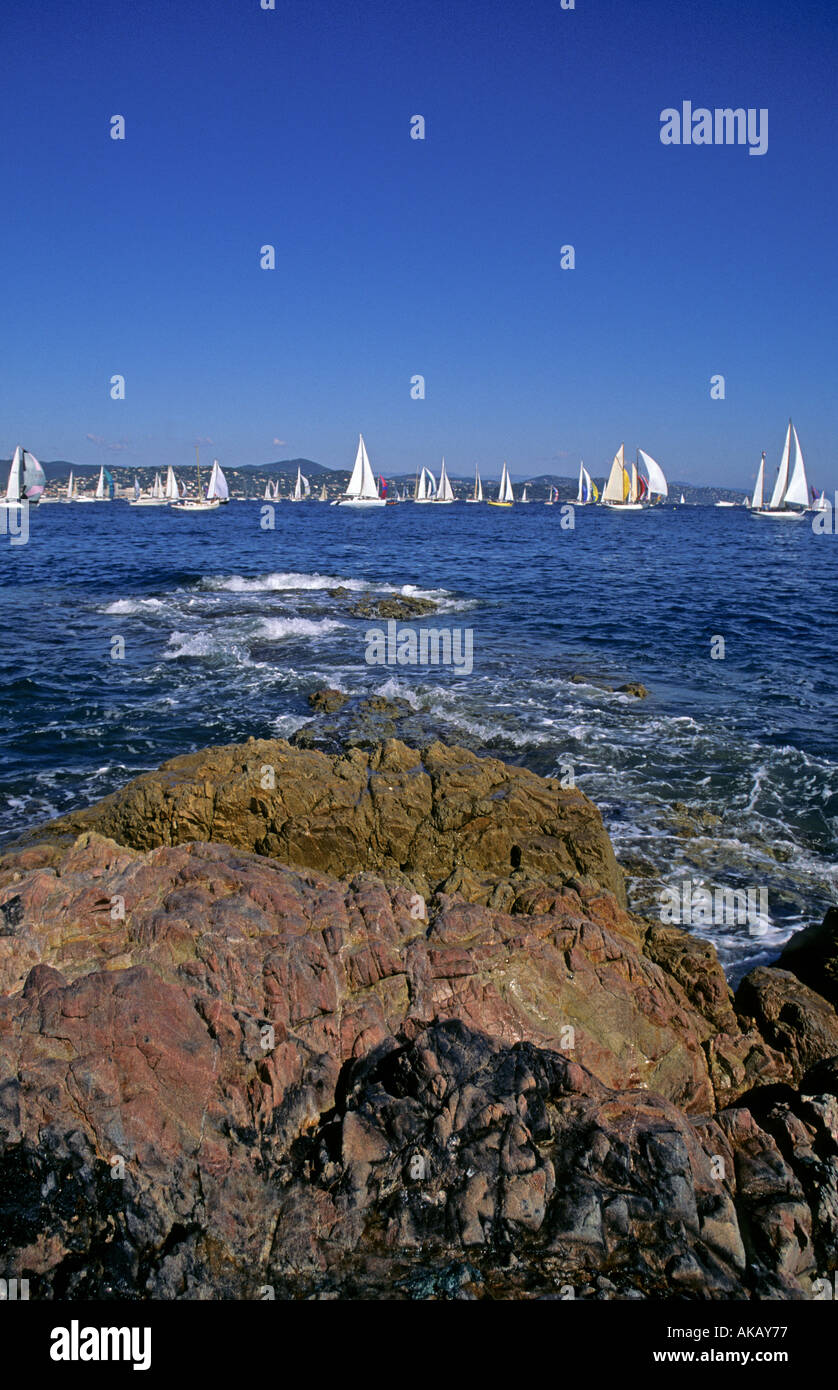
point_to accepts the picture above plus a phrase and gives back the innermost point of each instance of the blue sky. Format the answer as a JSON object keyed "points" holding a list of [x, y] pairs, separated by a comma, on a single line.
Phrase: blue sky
{"points": [[395, 256]]}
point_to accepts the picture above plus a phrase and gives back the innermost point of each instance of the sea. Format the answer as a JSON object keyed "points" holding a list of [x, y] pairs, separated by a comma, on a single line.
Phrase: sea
{"points": [[724, 777]]}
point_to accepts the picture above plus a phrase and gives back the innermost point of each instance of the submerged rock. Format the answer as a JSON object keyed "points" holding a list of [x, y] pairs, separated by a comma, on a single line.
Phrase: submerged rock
{"points": [[327, 700], [398, 606]]}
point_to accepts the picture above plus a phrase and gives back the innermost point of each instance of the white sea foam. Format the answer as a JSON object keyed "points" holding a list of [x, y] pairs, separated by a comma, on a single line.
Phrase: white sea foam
{"points": [[203, 643], [133, 605], [279, 582], [394, 689], [276, 628]]}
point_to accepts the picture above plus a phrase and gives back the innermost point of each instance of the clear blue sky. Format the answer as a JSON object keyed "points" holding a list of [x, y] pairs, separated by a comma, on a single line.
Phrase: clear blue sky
{"points": [[396, 256]]}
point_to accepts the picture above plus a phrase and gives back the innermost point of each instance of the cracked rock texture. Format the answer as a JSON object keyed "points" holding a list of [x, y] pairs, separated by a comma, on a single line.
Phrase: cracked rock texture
{"points": [[384, 1028]]}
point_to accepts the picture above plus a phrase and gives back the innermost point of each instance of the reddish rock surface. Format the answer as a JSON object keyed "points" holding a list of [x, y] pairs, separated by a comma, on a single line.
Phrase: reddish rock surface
{"points": [[220, 1071]]}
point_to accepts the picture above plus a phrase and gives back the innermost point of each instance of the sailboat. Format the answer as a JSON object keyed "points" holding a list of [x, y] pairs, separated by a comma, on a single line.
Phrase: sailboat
{"points": [[425, 490], [445, 492], [587, 490], [158, 497], [656, 484], [505, 496], [302, 487], [171, 490], [27, 480], [623, 492], [361, 490], [478, 487], [757, 501], [199, 503], [104, 487], [217, 490], [69, 496], [524, 497], [790, 498], [819, 504], [681, 502], [324, 497]]}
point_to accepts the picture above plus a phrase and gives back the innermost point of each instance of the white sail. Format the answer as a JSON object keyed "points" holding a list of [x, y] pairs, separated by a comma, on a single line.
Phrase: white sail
{"points": [[34, 478], [13, 485], [615, 487], [70, 486], [302, 487], [478, 486], [171, 485], [580, 490], [524, 497], [783, 476], [759, 488], [445, 492], [634, 490], [100, 486], [657, 481], [505, 493], [217, 484], [797, 492], [157, 486], [268, 494], [362, 482], [682, 499]]}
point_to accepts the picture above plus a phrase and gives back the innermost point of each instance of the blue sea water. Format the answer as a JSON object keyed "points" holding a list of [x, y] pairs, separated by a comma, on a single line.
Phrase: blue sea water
{"points": [[227, 627]]}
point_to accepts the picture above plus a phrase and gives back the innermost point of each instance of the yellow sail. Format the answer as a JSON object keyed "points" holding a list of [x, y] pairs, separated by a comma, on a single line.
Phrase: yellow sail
{"points": [[626, 485]]}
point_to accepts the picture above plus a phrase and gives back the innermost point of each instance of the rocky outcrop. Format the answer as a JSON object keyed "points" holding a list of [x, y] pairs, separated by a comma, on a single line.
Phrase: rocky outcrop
{"points": [[393, 810], [792, 1018], [384, 1028], [399, 606], [329, 701]]}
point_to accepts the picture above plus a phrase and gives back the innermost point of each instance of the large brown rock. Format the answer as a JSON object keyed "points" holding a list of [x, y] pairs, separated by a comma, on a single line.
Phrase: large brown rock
{"points": [[394, 811], [792, 1018], [463, 1070], [562, 968]]}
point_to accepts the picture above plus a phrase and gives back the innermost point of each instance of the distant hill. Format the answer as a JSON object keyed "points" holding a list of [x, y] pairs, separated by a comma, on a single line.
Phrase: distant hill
{"points": [[288, 467]]}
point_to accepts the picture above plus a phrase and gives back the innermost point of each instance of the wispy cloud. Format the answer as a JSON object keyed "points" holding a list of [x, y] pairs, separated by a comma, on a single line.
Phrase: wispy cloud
{"points": [[280, 441], [203, 441], [116, 446]]}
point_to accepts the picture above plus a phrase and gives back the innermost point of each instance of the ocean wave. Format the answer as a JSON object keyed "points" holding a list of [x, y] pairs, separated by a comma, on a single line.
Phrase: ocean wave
{"points": [[280, 582], [133, 605], [276, 628], [204, 643]]}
